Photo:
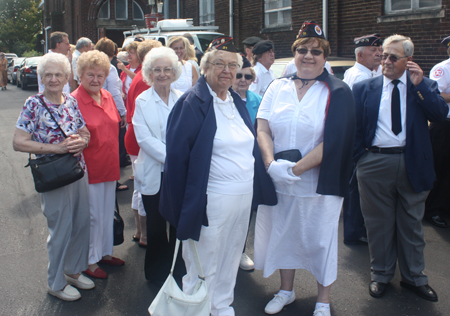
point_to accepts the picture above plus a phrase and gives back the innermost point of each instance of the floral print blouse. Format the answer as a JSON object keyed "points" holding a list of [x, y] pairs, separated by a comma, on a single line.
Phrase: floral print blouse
{"points": [[36, 121]]}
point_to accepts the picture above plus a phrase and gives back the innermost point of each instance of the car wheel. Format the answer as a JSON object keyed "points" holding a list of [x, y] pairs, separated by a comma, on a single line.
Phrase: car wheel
{"points": [[24, 85], [18, 82]]}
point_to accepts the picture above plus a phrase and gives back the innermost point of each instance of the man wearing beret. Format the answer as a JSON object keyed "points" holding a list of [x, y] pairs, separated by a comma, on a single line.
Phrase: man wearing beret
{"points": [[263, 58], [249, 43], [368, 59], [438, 201], [394, 164]]}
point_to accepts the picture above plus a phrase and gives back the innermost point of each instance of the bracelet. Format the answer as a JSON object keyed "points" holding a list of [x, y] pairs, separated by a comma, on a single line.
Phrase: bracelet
{"points": [[268, 165]]}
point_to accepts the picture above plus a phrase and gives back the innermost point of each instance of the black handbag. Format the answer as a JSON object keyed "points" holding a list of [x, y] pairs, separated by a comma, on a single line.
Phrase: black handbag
{"points": [[292, 155], [53, 172], [118, 226]]}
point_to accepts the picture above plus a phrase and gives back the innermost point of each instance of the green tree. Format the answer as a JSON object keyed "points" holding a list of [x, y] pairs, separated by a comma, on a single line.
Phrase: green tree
{"points": [[20, 21]]}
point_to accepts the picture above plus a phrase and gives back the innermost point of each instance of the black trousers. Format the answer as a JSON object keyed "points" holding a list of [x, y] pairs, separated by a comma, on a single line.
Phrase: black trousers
{"points": [[122, 151], [159, 255], [438, 201]]}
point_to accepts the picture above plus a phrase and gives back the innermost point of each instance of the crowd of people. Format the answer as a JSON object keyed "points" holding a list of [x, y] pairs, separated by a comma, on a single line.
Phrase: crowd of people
{"points": [[214, 138]]}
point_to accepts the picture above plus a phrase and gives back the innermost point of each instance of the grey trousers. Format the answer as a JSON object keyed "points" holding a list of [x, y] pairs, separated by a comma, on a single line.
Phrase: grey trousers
{"points": [[68, 221], [393, 215]]}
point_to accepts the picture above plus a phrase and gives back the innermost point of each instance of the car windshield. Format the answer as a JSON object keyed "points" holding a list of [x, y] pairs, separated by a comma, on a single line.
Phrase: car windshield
{"points": [[205, 40], [33, 61]]}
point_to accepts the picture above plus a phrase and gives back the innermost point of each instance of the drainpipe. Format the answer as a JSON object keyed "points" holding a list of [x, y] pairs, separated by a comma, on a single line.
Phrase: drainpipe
{"points": [[46, 38], [325, 18], [166, 9], [178, 9], [231, 18]]}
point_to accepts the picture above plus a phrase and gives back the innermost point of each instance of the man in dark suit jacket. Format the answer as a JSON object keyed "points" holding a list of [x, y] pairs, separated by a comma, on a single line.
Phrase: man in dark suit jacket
{"points": [[395, 164]]}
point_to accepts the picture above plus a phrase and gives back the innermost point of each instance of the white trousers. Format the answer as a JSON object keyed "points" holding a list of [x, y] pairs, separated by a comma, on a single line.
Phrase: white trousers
{"points": [[136, 200], [220, 249], [102, 197]]}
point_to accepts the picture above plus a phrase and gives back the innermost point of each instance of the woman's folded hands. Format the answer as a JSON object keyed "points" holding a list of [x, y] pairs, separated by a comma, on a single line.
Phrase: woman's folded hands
{"points": [[281, 172]]}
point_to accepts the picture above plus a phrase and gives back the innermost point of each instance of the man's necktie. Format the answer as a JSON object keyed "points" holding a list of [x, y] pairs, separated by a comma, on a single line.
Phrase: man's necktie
{"points": [[396, 117]]}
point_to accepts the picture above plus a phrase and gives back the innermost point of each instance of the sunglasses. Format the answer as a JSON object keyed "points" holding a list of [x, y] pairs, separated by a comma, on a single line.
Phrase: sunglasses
{"points": [[393, 58], [247, 76], [314, 52]]}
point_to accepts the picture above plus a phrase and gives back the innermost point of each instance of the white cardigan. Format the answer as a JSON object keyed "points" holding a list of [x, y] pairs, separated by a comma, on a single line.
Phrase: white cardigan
{"points": [[152, 153]]}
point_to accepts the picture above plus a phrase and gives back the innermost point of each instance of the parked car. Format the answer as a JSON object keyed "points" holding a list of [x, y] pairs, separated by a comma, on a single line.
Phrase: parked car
{"points": [[338, 64], [12, 69], [27, 74], [203, 35]]}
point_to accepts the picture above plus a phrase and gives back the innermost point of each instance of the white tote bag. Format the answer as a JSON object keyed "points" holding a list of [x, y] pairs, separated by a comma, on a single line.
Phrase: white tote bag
{"points": [[172, 301]]}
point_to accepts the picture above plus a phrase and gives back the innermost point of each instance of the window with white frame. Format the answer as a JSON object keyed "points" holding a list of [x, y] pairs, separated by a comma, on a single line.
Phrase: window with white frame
{"points": [[277, 13], [206, 12], [121, 9], [103, 13], [138, 14], [408, 6]]}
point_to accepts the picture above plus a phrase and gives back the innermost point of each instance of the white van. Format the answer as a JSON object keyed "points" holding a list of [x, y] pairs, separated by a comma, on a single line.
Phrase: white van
{"points": [[203, 35]]}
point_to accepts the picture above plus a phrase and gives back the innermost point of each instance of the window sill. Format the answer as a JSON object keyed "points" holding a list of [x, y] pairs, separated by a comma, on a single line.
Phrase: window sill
{"points": [[412, 16], [285, 28]]}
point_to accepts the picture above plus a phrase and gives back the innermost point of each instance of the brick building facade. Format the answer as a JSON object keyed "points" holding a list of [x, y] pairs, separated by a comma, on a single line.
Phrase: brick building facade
{"points": [[426, 21]]}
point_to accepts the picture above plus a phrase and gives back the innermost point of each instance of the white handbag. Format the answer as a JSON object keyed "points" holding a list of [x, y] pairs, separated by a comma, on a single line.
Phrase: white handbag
{"points": [[172, 301]]}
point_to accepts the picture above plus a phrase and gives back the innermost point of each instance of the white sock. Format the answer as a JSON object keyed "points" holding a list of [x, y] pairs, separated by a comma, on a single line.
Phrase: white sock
{"points": [[285, 293], [322, 305]]}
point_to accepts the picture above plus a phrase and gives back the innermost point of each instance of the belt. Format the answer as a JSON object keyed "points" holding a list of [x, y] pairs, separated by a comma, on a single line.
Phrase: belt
{"points": [[390, 150]]}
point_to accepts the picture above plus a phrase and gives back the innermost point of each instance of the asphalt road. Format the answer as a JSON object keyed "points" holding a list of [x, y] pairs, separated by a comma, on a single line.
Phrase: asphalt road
{"points": [[23, 259]]}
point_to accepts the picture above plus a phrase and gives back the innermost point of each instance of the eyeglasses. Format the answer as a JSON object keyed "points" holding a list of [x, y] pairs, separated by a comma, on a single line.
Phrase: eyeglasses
{"points": [[247, 76], [393, 58], [314, 52], [157, 71], [221, 66]]}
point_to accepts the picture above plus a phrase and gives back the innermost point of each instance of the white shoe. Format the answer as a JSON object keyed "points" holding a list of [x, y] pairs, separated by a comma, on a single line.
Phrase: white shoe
{"points": [[69, 293], [246, 263], [322, 312], [82, 282], [278, 302]]}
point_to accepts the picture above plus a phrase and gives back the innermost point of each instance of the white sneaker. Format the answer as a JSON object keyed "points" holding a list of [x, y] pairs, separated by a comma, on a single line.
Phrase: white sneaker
{"points": [[246, 263], [69, 293], [278, 302], [322, 312], [82, 282]]}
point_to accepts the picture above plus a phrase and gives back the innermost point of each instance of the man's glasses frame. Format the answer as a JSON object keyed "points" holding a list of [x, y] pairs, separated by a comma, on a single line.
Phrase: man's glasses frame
{"points": [[393, 58]]}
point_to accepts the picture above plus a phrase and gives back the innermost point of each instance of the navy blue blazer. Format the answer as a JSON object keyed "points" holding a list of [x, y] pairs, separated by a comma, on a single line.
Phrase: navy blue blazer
{"points": [[191, 128], [423, 103]]}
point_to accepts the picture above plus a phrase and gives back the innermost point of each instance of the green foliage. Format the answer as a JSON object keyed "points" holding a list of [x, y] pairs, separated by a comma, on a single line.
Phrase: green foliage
{"points": [[31, 53], [20, 21]]}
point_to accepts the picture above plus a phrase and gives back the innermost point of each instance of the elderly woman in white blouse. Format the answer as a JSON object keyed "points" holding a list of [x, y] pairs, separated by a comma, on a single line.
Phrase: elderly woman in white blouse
{"points": [[213, 164], [159, 70]]}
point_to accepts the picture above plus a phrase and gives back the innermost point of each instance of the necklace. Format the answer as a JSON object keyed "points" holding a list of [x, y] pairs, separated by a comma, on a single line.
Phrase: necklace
{"points": [[305, 82], [223, 112]]}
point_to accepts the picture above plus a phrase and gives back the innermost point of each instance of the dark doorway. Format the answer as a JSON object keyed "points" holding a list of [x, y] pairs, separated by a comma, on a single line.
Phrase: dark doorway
{"points": [[116, 36]]}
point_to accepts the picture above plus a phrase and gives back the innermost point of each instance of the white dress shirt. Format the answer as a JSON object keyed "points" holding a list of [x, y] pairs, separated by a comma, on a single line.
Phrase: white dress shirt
{"points": [[357, 73], [384, 137], [263, 78], [113, 85], [66, 88], [441, 74], [75, 56]]}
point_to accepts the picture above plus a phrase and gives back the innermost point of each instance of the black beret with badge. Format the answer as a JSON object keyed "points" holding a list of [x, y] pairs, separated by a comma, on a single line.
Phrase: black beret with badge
{"points": [[262, 47], [310, 29], [251, 41], [223, 43], [446, 41], [368, 40]]}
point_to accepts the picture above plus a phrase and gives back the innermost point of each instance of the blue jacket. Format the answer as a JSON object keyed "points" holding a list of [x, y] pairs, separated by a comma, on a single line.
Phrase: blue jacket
{"points": [[423, 104], [252, 104], [191, 128]]}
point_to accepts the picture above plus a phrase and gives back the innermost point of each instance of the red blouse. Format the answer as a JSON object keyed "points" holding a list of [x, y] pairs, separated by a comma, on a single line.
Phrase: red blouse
{"points": [[136, 88], [102, 121]]}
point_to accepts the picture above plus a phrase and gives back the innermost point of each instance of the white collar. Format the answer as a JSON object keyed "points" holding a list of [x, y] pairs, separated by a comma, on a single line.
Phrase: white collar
{"points": [[228, 99], [387, 81], [363, 68]]}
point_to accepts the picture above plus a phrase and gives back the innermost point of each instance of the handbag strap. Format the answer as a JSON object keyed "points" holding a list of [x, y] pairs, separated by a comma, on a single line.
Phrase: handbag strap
{"points": [[45, 105], [196, 258]]}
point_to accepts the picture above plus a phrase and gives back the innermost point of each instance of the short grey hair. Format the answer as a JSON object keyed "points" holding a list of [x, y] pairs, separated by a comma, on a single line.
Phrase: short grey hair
{"points": [[358, 50], [408, 45], [56, 58], [204, 63], [160, 53], [83, 41]]}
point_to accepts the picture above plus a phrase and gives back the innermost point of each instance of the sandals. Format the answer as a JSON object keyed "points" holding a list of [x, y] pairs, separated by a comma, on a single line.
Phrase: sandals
{"points": [[121, 187]]}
